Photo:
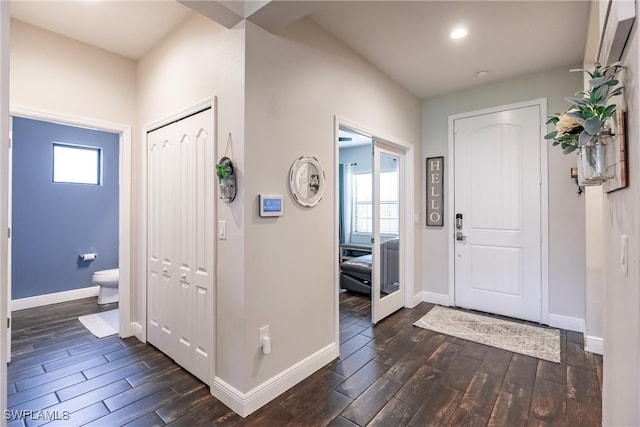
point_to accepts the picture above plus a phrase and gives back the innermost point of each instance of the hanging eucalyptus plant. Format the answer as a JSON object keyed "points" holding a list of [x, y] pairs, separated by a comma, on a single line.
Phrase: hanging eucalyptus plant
{"points": [[589, 110]]}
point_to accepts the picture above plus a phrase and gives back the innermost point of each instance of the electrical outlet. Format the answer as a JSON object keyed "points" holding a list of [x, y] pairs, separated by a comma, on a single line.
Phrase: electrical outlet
{"points": [[265, 340]]}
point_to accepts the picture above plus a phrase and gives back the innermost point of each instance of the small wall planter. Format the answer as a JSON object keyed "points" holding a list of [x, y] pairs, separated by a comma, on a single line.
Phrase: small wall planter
{"points": [[592, 160], [226, 179]]}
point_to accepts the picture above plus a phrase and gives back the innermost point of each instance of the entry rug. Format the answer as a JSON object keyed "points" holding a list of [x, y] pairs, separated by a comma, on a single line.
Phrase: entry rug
{"points": [[543, 343], [101, 324]]}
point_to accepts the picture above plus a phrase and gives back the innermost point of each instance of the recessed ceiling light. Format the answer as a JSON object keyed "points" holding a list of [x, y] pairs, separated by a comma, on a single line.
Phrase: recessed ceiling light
{"points": [[458, 33], [482, 73]]}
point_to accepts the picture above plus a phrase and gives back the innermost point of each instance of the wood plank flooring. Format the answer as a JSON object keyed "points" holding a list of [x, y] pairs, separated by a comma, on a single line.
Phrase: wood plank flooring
{"points": [[393, 374]]}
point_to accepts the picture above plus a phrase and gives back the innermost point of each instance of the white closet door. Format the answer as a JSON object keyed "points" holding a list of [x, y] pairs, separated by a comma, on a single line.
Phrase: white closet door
{"points": [[181, 219], [160, 233]]}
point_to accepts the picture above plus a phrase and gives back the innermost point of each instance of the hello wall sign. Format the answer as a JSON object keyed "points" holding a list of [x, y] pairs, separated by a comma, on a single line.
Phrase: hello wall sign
{"points": [[435, 186]]}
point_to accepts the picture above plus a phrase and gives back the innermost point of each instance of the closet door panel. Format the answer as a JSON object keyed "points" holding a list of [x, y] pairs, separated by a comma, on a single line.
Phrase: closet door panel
{"points": [[158, 271], [181, 185], [203, 255]]}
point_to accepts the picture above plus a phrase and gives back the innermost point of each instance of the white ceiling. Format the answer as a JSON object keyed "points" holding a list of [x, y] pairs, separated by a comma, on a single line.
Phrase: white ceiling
{"points": [[410, 41], [407, 40], [128, 28]]}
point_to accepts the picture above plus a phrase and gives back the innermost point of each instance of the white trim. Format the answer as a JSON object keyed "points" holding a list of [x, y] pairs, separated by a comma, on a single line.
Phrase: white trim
{"points": [[409, 156], [4, 198], [544, 199], [594, 344], [336, 232], [246, 403], [544, 212], [433, 298], [566, 322], [55, 298], [136, 329], [124, 196], [449, 214], [417, 299]]}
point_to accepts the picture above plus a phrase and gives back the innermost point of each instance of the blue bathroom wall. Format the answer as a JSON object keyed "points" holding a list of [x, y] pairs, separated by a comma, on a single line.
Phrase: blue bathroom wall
{"points": [[52, 223]]}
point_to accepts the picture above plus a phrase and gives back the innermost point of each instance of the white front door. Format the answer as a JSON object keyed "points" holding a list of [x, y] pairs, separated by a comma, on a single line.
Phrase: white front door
{"points": [[497, 161], [388, 275], [181, 180]]}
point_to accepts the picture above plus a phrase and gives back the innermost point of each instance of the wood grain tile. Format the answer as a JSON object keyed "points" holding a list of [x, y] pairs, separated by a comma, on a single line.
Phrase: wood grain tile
{"points": [[82, 416], [465, 370], [521, 375], [362, 379], [369, 403], [389, 374], [509, 410], [496, 362], [576, 356], [350, 365], [582, 415], [549, 402], [583, 386], [481, 395]]}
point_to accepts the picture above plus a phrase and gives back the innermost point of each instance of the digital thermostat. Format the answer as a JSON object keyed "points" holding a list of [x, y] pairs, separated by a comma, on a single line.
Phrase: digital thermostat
{"points": [[271, 205]]}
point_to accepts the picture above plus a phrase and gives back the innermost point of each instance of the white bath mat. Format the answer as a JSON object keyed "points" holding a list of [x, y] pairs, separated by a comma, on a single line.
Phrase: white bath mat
{"points": [[101, 324], [540, 342]]}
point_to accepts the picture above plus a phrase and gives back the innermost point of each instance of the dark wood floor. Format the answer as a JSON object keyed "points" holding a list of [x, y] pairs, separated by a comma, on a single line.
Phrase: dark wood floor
{"points": [[393, 374]]}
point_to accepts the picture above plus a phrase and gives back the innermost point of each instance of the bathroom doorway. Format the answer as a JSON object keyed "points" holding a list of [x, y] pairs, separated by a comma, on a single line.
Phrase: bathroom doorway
{"points": [[77, 218]]}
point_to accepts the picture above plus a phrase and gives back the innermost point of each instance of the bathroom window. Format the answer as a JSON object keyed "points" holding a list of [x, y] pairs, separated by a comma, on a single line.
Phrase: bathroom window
{"points": [[77, 164]]}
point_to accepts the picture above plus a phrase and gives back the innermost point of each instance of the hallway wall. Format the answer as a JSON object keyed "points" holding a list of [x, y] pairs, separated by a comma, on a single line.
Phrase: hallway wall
{"points": [[622, 292], [566, 209]]}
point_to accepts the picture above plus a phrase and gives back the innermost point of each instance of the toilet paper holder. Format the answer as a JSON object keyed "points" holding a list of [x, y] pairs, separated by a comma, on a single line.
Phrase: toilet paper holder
{"points": [[88, 257]]}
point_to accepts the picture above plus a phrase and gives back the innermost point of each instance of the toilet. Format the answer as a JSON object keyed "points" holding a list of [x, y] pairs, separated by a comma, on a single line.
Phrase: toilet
{"points": [[108, 282]]}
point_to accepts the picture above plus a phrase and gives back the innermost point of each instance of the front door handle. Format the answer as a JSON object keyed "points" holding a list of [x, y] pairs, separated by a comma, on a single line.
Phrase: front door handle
{"points": [[460, 237]]}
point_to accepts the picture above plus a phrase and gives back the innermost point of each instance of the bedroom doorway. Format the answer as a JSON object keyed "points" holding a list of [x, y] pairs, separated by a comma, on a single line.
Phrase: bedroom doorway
{"points": [[371, 185], [355, 224]]}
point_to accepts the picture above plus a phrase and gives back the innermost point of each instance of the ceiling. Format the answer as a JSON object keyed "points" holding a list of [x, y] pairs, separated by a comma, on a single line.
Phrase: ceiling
{"points": [[128, 28], [408, 40]]}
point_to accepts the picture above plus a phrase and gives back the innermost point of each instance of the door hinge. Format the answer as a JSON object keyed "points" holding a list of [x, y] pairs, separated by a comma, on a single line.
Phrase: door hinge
{"points": [[8, 322], [9, 233]]}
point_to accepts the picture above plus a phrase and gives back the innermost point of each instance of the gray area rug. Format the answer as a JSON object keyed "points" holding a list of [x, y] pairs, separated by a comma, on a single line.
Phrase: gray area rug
{"points": [[540, 342]]}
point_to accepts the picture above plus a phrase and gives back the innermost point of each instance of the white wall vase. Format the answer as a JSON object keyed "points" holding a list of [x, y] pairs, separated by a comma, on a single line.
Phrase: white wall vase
{"points": [[592, 160]]}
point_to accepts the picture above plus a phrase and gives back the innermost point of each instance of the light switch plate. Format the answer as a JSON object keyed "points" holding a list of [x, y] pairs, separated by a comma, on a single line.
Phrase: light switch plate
{"points": [[624, 254], [222, 230]]}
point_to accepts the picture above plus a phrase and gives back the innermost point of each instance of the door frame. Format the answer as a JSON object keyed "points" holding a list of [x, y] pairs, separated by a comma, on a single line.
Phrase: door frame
{"points": [[5, 23], [544, 197], [408, 245], [124, 197]]}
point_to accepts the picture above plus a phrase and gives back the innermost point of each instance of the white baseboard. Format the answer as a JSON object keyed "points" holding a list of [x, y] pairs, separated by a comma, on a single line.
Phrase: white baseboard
{"points": [[417, 299], [566, 322], [136, 330], [594, 344], [40, 300], [246, 403], [433, 298]]}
